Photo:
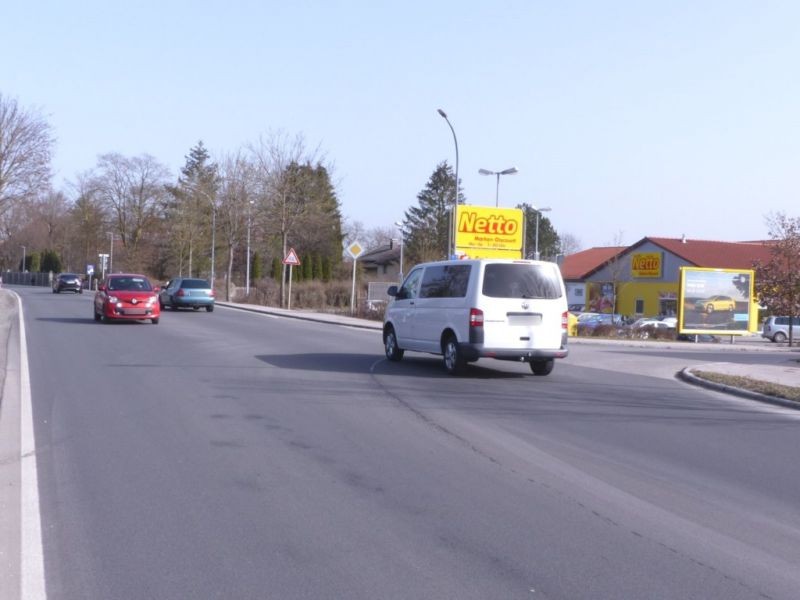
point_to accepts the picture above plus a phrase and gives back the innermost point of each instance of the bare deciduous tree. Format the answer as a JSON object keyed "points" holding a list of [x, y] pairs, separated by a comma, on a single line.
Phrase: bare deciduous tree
{"points": [[569, 244], [132, 190], [25, 146], [234, 200], [89, 223]]}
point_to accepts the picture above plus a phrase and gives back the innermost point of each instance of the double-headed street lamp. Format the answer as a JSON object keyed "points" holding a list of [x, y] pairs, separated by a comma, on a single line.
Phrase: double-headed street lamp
{"points": [[450, 236], [538, 212], [509, 171]]}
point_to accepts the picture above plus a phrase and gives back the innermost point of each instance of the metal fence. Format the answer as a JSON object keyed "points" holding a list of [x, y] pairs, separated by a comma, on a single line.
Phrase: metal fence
{"points": [[18, 278], [376, 293]]}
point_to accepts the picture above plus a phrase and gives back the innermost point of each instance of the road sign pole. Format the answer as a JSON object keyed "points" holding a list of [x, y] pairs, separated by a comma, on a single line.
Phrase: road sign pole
{"points": [[353, 291], [289, 299]]}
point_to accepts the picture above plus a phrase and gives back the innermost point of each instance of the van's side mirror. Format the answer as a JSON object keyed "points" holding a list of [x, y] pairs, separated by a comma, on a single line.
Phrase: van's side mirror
{"points": [[392, 291]]}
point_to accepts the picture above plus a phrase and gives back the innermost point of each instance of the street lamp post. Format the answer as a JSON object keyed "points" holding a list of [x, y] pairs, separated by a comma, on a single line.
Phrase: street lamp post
{"points": [[399, 226], [111, 253], [509, 171], [450, 235], [213, 240], [538, 212], [213, 201], [247, 276], [102, 258], [22, 270]]}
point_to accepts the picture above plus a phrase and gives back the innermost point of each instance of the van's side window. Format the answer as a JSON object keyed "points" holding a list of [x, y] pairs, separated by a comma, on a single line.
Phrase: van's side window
{"points": [[410, 286], [520, 280], [445, 281]]}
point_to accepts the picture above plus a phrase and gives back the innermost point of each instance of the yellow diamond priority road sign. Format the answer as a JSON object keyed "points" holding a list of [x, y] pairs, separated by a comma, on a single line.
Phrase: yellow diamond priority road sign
{"points": [[355, 250]]}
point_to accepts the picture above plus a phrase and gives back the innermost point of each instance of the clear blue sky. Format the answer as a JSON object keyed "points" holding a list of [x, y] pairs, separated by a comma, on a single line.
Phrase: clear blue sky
{"points": [[626, 118]]}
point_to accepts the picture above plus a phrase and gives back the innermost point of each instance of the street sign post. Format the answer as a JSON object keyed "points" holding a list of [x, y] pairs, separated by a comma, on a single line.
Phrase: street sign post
{"points": [[292, 260], [355, 250]]}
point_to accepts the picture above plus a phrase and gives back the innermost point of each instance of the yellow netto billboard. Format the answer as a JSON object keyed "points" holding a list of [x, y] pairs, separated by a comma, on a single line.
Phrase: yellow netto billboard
{"points": [[489, 232]]}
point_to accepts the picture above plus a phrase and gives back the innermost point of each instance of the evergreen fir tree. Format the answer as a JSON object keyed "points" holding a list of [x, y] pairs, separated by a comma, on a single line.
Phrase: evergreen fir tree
{"points": [[255, 267], [428, 223]]}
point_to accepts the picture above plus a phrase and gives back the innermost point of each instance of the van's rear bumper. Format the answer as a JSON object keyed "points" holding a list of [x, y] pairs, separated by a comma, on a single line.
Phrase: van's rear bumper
{"points": [[473, 352]]}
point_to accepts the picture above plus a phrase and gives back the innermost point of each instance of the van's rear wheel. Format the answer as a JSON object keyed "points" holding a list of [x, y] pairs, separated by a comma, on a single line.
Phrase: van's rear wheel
{"points": [[454, 362], [542, 367], [393, 351], [779, 337]]}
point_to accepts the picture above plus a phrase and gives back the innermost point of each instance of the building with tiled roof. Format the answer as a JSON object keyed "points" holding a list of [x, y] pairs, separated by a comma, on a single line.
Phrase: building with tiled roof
{"points": [[643, 279]]}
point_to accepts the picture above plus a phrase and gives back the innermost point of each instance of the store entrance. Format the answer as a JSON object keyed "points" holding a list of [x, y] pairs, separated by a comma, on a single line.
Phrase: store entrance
{"points": [[668, 308]]}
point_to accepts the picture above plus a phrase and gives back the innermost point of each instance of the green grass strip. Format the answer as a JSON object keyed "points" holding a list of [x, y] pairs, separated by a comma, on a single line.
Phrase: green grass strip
{"points": [[753, 385]]}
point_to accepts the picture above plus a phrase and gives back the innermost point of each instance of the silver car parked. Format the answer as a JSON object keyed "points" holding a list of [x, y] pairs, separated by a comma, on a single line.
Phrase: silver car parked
{"points": [[776, 329]]}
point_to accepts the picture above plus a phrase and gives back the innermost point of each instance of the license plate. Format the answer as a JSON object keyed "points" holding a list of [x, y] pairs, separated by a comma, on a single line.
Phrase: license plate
{"points": [[524, 319]]}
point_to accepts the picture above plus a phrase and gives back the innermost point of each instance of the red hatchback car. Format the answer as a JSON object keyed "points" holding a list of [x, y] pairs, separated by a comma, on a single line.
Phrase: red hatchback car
{"points": [[126, 297]]}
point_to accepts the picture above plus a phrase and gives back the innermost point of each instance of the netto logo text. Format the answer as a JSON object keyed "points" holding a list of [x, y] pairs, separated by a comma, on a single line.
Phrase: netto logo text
{"points": [[470, 222]]}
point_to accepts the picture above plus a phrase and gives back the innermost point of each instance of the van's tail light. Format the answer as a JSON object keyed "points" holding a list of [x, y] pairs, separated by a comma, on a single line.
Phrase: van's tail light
{"points": [[565, 320], [212, 293], [475, 317]]}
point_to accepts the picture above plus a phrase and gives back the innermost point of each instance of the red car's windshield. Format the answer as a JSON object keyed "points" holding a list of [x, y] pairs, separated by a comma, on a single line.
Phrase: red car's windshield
{"points": [[129, 284]]}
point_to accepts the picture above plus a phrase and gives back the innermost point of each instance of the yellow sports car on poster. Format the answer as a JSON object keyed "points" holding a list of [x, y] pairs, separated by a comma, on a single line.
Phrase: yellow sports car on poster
{"points": [[715, 303]]}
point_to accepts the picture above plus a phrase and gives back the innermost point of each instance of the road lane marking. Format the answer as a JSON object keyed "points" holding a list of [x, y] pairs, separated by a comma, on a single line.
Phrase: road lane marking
{"points": [[32, 560]]}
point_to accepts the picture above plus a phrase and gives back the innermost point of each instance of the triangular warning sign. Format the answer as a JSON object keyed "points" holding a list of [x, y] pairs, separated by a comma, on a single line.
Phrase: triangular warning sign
{"points": [[291, 258]]}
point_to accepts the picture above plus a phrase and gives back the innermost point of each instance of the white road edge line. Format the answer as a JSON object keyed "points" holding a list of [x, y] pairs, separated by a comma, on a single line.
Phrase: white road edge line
{"points": [[32, 585]]}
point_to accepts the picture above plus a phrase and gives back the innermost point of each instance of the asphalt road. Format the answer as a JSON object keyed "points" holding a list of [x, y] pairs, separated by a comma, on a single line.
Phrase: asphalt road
{"points": [[235, 455]]}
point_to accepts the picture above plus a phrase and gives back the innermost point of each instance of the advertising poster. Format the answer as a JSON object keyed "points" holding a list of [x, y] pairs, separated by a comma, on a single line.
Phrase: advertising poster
{"points": [[716, 301], [600, 297], [488, 232]]}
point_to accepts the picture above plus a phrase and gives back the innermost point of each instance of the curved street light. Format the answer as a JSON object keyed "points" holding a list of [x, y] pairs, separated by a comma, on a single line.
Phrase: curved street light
{"points": [[450, 236], [509, 171]]}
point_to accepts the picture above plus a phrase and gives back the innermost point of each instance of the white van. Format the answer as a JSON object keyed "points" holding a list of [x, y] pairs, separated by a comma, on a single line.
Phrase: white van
{"points": [[468, 309]]}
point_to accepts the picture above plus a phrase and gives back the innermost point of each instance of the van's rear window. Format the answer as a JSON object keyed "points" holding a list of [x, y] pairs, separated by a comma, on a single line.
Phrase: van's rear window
{"points": [[518, 280]]}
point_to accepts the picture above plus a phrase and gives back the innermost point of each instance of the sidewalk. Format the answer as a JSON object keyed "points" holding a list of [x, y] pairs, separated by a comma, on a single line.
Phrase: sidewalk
{"points": [[333, 319]]}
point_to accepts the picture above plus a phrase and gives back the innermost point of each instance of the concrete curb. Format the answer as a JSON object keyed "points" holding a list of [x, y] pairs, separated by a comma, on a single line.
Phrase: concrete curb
{"points": [[307, 316], [688, 376]]}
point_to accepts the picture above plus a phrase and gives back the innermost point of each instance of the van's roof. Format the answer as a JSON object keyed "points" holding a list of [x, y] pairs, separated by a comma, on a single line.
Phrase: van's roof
{"points": [[523, 261]]}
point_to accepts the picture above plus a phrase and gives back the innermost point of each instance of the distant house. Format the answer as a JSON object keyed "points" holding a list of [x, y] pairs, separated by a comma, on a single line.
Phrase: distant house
{"points": [[382, 263]]}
